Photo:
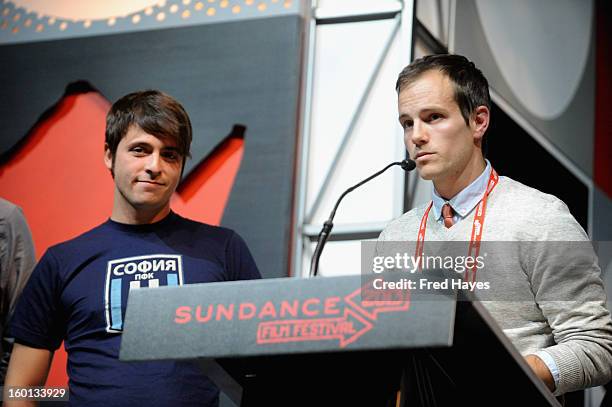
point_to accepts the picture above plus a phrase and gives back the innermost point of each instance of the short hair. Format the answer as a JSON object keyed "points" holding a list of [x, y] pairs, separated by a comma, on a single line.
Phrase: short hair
{"points": [[470, 86], [154, 112]]}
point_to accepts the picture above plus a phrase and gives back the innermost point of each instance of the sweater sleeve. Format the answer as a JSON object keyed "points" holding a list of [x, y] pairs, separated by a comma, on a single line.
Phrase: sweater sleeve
{"points": [[566, 282], [17, 260]]}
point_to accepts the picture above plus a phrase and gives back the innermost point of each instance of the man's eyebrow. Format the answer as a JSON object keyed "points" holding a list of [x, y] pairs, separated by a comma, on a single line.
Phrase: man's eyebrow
{"points": [[425, 110], [138, 143], [170, 149], [404, 116]]}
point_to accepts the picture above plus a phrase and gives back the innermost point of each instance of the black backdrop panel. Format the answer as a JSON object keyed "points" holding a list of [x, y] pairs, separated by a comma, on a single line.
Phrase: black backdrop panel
{"points": [[516, 154], [244, 72]]}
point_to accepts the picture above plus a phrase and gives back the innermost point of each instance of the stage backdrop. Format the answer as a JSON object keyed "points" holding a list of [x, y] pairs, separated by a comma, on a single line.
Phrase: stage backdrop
{"points": [[234, 65], [236, 72]]}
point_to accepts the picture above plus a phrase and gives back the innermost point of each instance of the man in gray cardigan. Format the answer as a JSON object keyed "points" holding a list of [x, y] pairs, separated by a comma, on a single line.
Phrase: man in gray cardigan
{"points": [[559, 321], [17, 260]]}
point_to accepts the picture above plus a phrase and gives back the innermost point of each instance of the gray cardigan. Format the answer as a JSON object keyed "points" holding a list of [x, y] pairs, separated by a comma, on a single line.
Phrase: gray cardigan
{"points": [[17, 259], [559, 308]]}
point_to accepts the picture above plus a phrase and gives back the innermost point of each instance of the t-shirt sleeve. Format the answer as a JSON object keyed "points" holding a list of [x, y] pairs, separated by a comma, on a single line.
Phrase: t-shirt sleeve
{"points": [[239, 261], [38, 319]]}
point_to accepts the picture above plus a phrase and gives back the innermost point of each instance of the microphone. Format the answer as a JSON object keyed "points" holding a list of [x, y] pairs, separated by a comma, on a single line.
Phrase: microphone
{"points": [[407, 165]]}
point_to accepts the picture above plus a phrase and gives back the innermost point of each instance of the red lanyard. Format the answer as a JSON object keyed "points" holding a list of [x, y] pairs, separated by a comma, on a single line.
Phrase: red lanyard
{"points": [[477, 226]]}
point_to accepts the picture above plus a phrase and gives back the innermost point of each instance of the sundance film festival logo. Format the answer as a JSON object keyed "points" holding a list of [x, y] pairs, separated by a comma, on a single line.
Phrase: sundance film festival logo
{"points": [[343, 319]]}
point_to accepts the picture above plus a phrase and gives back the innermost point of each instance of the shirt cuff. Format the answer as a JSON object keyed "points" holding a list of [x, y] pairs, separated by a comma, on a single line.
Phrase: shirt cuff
{"points": [[550, 364]]}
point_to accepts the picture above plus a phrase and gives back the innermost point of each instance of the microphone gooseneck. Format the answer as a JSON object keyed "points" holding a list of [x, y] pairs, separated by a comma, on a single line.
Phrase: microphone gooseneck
{"points": [[407, 165]]}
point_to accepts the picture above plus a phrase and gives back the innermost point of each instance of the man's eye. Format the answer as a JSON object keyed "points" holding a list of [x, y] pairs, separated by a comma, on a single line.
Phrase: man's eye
{"points": [[138, 150], [435, 116], [171, 155], [407, 124]]}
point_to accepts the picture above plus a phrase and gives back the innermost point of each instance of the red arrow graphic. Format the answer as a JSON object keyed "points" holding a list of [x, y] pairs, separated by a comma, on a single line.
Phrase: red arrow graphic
{"points": [[346, 329], [371, 302]]}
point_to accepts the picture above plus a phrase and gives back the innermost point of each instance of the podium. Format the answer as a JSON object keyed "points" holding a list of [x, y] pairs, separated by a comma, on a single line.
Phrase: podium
{"points": [[333, 341]]}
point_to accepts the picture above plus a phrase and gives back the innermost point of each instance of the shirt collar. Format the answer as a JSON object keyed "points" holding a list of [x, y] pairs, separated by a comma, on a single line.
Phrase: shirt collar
{"points": [[466, 199]]}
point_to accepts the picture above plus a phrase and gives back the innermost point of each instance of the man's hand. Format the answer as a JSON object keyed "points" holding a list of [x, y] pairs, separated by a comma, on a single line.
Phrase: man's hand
{"points": [[539, 367], [28, 367]]}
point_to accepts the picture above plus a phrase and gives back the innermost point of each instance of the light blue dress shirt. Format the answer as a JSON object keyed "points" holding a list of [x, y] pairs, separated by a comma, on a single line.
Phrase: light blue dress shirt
{"points": [[462, 204], [464, 201]]}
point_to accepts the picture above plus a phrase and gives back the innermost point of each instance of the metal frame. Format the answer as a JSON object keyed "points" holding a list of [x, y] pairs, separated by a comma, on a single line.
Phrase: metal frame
{"points": [[305, 231]]}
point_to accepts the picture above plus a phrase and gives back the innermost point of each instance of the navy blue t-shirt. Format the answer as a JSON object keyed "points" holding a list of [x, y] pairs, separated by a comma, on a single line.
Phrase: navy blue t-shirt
{"points": [[78, 294]]}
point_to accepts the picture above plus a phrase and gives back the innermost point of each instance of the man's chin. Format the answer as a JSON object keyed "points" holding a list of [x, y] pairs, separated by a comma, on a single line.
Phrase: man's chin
{"points": [[426, 175], [149, 204], [429, 171]]}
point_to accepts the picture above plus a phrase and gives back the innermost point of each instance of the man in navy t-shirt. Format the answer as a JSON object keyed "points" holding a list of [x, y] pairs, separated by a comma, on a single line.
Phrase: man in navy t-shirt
{"points": [[78, 291]]}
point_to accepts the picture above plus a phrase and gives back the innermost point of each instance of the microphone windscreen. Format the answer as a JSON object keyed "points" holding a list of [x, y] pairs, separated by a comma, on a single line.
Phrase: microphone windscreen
{"points": [[408, 164]]}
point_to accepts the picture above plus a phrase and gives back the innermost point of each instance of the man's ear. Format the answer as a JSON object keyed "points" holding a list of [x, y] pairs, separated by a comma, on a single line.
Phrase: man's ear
{"points": [[108, 157], [480, 121]]}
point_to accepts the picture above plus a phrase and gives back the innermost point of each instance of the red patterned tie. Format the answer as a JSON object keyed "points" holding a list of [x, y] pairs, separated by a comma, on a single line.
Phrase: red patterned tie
{"points": [[447, 214]]}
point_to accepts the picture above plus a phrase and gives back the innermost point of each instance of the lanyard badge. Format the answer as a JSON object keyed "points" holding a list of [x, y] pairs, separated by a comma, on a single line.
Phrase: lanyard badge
{"points": [[477, 227]]}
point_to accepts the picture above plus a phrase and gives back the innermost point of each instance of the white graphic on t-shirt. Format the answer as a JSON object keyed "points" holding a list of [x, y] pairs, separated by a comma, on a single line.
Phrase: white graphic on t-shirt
{"points": [[129, 273]]}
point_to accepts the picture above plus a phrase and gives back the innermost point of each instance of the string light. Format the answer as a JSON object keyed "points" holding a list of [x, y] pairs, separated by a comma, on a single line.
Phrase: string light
{"points": [[158, 10]]}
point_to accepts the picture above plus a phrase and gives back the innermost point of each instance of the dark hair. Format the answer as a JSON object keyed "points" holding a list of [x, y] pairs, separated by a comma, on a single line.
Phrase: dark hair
{"points": [[470, 85], [153, 111]]}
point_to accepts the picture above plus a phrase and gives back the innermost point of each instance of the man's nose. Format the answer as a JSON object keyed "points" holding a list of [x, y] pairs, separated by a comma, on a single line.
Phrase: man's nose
{"points": [[153, 165], [419, 133]]}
